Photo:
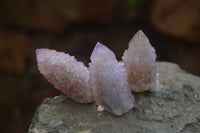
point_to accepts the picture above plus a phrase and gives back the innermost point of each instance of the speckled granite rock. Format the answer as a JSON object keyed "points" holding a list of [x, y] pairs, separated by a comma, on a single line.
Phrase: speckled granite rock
{"points": [[174, 107]]}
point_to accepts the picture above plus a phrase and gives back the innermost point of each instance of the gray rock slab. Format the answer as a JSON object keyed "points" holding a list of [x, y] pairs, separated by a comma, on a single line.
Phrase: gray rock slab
{"points": [[173, 108]]}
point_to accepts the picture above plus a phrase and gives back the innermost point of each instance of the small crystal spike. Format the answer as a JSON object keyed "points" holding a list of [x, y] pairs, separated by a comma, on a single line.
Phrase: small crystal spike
{"points": [[66, 74], [140, 64], [109, 81]]}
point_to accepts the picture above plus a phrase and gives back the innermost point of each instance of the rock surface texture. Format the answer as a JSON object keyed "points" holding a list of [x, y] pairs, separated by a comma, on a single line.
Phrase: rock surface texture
{"points": [[174, 108]]}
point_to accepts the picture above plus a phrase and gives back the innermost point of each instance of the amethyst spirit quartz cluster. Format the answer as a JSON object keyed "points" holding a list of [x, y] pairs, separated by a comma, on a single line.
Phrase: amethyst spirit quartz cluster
{"points": [[107, 82]]}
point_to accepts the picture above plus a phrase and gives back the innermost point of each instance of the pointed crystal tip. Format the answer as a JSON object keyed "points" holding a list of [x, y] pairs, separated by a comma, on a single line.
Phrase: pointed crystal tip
{"points": [[99, 48], [140, 33], [140, 63], [139, 38], [105, 74], [99, 45], [100, 51]]}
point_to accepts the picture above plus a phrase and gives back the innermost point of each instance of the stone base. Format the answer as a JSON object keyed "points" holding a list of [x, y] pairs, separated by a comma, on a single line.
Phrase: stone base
{"points": [[174, 107]]}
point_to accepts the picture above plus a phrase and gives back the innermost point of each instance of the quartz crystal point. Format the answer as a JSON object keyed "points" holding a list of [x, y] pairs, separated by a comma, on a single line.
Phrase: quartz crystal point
{"points": [[109, 81], [140, 64], [66, 74]]}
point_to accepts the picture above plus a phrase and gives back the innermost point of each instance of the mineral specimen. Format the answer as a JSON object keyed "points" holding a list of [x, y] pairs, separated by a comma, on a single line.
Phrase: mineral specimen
{"points": [[140, 64], [109, 81], [66, 74]]}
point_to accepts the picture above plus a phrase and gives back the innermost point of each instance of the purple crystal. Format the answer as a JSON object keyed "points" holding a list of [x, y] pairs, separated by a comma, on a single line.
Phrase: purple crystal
{"points": [[140, 64], [66, 74], [109, 81]]}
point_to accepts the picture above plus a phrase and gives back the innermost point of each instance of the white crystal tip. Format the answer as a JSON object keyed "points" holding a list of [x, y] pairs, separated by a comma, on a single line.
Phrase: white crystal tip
{"points": [[100, 51], [98, 47], [140, 35], [140, 32]]}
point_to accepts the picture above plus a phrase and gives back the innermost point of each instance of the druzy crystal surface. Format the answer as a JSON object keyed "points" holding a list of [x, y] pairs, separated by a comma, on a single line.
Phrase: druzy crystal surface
{"points": [[66, 74], [108, 79], [140, 64]]}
